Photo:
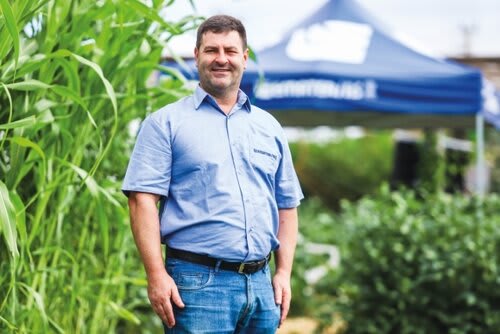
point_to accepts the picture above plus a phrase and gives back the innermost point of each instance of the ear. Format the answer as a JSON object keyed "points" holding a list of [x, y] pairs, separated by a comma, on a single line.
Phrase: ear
{"points": [[245, 56], [196, 53]]}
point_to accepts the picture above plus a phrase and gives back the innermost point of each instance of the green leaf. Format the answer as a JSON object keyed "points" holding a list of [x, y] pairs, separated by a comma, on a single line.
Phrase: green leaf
{"points": [[86, 177], [152, 15], [8, 324], [111, 94], [45, 104], [20, 210], [28, 85], [124, 313], [24, 142], [252, 55], [107, 85], [9, 97], [10, 23], [28, 121], [173, 72], [35, 296], [8, 220], [71, 72], [69, 93]]}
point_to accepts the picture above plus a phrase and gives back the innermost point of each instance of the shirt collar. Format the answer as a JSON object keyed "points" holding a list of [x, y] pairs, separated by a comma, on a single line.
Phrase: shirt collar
{"points": [[199, 95]]}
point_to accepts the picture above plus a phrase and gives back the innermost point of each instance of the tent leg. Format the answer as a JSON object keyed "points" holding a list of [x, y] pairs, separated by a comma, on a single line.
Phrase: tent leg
{"points": [[480, 160]]}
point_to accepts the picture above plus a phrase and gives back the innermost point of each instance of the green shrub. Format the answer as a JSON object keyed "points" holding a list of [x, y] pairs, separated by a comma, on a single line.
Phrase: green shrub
{"points": [[317, 226], [346, 169], [427, 265]]}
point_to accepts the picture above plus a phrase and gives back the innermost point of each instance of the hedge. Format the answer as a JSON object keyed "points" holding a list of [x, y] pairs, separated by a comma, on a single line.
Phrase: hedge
{"points": [[421, 265]]}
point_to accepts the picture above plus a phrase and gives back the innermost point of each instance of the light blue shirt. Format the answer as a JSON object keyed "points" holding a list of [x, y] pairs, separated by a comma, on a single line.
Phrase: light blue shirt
{"points": [[222, 178]]}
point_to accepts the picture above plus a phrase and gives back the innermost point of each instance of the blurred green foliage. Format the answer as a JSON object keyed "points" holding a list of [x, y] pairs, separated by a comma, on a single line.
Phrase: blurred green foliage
{"points": [[344, 169], [493, 155], [317, 226], [431, 166], [412, 265]]}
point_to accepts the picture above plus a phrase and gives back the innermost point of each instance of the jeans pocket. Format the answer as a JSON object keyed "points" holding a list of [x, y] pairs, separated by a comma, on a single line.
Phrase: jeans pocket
{"points": [[191, 280], [188, 276]]}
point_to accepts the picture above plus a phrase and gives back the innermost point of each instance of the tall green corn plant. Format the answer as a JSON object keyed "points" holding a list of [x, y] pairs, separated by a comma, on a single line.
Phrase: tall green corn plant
{"points": [[73, 75]]}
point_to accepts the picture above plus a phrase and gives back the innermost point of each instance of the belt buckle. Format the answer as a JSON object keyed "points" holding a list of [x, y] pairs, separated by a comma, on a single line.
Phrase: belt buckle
{"points": [[241, 268]]}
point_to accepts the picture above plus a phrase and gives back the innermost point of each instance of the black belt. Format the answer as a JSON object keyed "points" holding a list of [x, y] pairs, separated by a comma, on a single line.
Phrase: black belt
{"points": [[240, 267]]}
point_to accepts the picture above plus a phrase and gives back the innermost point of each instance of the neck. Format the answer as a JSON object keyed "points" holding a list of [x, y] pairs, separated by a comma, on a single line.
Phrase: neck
{"points": [[225, 100], [226, 103]]}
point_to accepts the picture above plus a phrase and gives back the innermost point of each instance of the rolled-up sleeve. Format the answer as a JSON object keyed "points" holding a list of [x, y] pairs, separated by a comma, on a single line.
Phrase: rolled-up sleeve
{"points": [[288, 193], [149, 168]]}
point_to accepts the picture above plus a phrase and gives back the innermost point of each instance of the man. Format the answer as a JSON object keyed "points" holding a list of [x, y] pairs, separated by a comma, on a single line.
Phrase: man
{"points": [[222, 174]]}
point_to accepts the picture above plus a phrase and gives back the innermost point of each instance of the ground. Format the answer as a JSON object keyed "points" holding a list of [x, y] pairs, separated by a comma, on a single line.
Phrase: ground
{"points": [[297, 326], [303, 325]]}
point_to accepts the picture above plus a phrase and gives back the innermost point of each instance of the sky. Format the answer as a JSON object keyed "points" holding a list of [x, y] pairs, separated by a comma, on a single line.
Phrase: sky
{"points": [[437, 27], [440, 25]]}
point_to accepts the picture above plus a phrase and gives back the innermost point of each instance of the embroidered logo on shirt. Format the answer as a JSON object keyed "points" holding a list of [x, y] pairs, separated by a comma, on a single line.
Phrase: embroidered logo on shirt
{"points": [[265, 153]]}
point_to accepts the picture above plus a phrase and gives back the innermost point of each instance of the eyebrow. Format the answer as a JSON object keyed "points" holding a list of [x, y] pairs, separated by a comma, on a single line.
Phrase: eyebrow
{"points": [[230, 47]]}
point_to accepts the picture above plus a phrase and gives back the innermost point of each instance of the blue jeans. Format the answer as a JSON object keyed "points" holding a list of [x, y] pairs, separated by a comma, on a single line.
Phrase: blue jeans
{"points": [[220, 301]]}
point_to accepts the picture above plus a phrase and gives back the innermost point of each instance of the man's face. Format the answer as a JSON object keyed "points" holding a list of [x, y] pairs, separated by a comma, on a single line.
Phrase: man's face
{"points": [[221, 61]]}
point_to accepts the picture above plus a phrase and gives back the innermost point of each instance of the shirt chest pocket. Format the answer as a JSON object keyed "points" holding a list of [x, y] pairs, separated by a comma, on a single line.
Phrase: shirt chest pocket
{"points": [[264, 155]]}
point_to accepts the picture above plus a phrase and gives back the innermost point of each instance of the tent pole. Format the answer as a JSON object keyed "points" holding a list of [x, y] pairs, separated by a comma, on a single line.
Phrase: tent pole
{"points": [[480, 161]]}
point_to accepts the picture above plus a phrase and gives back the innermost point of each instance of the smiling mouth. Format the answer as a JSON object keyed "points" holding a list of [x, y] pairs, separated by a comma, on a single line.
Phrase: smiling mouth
{"points": [[220, 72]]}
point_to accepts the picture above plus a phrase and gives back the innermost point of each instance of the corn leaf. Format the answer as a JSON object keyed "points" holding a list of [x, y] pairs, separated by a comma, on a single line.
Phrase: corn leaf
{"points": [[28, 85], [124, 313], [20, 210], [10, 23], [8, 220], [25, 122]]}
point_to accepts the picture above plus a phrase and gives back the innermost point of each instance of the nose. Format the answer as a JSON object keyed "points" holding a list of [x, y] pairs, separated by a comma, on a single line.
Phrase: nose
{"points": [[221, 58]]}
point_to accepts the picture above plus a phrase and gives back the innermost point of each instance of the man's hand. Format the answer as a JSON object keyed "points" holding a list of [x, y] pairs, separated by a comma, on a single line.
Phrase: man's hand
{"points": [[162, 291], [282, 293]]}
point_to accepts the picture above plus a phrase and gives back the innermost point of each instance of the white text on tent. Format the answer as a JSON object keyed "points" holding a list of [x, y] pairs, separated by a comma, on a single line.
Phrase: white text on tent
{"points": [[319, 88]]}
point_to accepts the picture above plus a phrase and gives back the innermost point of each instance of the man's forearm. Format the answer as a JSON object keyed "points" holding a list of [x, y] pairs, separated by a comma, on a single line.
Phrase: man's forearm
{"points": [[287, 235], [145, 227]]}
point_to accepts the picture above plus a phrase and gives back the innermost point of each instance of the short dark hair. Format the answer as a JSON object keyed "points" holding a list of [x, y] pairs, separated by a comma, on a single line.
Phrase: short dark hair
{"points": [[221, 23]]}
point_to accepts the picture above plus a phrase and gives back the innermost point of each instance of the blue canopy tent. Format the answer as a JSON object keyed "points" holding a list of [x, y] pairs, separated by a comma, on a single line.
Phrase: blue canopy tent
{"points": [[341, 66], [345, 66]]}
